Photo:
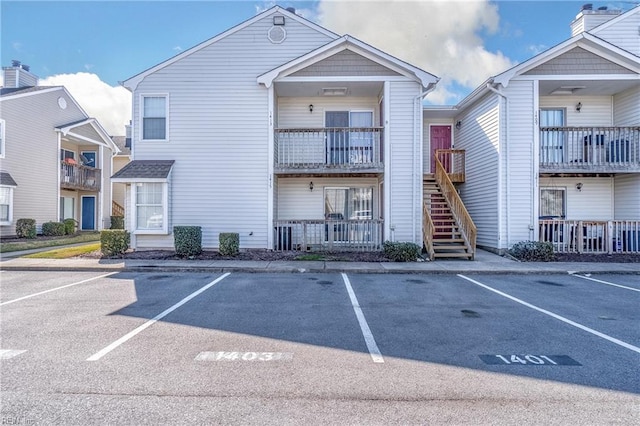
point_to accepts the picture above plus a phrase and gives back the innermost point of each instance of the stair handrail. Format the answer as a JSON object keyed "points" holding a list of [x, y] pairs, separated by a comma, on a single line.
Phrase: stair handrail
{"points": [[116, 209], [428, 229], [459, 211]]}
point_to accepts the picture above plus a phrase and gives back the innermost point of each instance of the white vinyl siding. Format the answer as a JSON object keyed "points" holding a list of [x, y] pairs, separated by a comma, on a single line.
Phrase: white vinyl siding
{"points": [[626, 107], [627, 197], [623, 33], [219, 124], [294, 112], [478, 136], [2, 124], [594, 201], [37, 194], [405, 124], [297, 202], [595, 111], [6, 205], [519, 213]]}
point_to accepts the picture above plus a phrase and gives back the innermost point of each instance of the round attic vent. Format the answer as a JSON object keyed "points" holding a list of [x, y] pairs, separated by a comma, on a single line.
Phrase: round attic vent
{"points": [[277, 34]]}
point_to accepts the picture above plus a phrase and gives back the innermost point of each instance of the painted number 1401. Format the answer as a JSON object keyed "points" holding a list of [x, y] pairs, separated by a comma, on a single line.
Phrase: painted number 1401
{"points": [[526, 359]]}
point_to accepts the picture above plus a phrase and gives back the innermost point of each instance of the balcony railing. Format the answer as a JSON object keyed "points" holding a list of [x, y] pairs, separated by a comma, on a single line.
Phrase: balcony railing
{"points": [[453, 161], [585, 149], [336, 149], [75, 176], [328, 235], [588, 236]]}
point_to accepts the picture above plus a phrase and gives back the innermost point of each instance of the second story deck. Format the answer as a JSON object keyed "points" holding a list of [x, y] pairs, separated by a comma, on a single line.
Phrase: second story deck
{"points": [[329, 150], [589, 149]]}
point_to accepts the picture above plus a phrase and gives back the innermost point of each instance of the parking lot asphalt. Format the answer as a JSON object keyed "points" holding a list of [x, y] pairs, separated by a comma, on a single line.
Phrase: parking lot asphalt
{"points": [[320, 348]]}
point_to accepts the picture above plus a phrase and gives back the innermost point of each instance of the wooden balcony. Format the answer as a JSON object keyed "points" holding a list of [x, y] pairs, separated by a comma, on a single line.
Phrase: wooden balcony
{"points": [[589, 149], [328, 235], [77, 177], [329, 150], [453, 162]]}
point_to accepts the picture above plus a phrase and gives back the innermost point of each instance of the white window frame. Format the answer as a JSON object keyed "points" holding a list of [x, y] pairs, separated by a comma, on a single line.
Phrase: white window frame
{"points": [[166, 116], [10, 215], [564, 200], [165, 209], [2, 138]]}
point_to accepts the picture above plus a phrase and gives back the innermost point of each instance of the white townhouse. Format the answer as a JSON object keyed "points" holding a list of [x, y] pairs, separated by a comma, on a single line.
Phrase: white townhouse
{"points": [[549, 150], [282, 131], [55, 160]]}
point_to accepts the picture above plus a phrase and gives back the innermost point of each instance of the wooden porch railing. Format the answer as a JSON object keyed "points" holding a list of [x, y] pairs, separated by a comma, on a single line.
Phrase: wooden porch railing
{"points": [[589, 236], [117, 209], [328, 235], [428, 230], [75, 176], [460, 213], [453, 161], [590, 149], [328, 148]]}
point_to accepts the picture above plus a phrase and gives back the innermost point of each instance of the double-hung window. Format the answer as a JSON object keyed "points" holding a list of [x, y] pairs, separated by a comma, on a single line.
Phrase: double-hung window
{"points": [[154, 117], [151, 206], [6, 205]]}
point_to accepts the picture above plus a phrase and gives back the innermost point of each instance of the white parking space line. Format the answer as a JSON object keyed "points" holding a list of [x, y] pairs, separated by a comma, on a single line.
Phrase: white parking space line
{"points": [[556, 316], [376, 356], [605, 282], [123, 339], [10, 353], [55, 289]]}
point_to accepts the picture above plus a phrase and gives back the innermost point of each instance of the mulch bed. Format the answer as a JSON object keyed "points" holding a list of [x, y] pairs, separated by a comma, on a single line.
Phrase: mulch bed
{"points": [[603, 258]]}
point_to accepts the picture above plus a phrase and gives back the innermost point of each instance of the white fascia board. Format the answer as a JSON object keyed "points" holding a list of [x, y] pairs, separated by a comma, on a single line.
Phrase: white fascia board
{"points": [[585, 41], [348, 43], [140, 180], [133, 82], [24, 95], [586, 77], [106, 139]]}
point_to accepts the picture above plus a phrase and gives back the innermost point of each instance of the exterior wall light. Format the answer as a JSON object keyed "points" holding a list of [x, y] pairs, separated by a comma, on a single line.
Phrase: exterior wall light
{"points": [[579, 106], [310, 108], [579, 186], [311, 186], [458, 124]]}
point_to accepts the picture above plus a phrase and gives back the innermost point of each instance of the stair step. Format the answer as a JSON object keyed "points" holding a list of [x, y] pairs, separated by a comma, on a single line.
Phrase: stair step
{"points": [[465, 255], [447, 241]]}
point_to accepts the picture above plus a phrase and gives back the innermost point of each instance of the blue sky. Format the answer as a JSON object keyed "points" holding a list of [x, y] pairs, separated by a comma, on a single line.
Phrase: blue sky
{"points": [[115, 40]]}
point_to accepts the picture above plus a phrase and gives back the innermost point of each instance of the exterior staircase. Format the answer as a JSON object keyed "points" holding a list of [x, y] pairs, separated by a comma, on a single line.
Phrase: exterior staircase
{"points": [[447, 239]]}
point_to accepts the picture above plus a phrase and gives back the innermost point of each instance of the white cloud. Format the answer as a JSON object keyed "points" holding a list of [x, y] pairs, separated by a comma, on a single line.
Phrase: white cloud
{"points": [[441, 37], [110, 105]]}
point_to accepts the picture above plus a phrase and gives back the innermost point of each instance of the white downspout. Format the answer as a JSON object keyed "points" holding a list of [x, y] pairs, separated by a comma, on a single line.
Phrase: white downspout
{"points": [[506, 154], [418, 139]]}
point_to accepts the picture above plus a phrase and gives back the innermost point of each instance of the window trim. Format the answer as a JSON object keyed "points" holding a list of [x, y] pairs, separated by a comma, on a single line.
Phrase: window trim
{"points": [[166, 116], [11, 188], [165, 208], [564, 200], [3, 145]]}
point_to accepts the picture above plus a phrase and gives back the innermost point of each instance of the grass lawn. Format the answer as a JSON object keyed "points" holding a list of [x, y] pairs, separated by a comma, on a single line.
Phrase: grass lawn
{"points": [[26, 244], [65, 252]]}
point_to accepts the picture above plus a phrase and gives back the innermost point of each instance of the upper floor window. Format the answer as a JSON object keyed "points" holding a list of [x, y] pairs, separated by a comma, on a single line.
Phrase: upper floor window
{"points": [[154, 117], [1, 138]]}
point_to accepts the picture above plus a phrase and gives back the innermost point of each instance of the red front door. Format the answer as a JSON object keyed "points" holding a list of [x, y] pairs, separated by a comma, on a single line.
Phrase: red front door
{"points": [[440, 137]]}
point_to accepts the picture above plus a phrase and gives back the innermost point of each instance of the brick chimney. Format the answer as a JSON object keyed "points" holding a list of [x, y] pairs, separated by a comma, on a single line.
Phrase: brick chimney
{"points": [[588, 18], [18, 75]]}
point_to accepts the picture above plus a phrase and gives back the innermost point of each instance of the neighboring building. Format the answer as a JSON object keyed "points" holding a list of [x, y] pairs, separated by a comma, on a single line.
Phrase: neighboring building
{"points": [[120, 160], [282, 131], [552, 146], [55, 159]]}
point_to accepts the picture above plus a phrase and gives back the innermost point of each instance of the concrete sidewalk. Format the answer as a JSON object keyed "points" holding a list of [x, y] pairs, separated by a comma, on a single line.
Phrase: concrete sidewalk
{"points": [[485, 262]]}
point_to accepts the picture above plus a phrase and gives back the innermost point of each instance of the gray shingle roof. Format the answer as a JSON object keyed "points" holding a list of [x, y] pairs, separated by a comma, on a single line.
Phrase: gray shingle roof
{"points": [[6, 179], [145, 169], [121, 142], [6, 91]]}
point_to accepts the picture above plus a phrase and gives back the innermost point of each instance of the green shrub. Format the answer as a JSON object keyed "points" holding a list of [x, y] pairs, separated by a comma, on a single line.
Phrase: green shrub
{"points": [[69, 226], [401, 252], [114, 242], [187, 240], [229, 243], [532, 251], [117, 222], [53, 229], [26, 228]]}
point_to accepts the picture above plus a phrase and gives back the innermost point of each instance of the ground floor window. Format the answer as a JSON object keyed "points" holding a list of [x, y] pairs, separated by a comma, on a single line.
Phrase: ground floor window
{"points": [[6, 205], [150, 204], [348, 203], [67, 208], [552, 202]]}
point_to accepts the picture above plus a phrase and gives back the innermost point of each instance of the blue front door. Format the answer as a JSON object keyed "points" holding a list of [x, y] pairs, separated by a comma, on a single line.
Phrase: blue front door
{"points": [[88, 213]]}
